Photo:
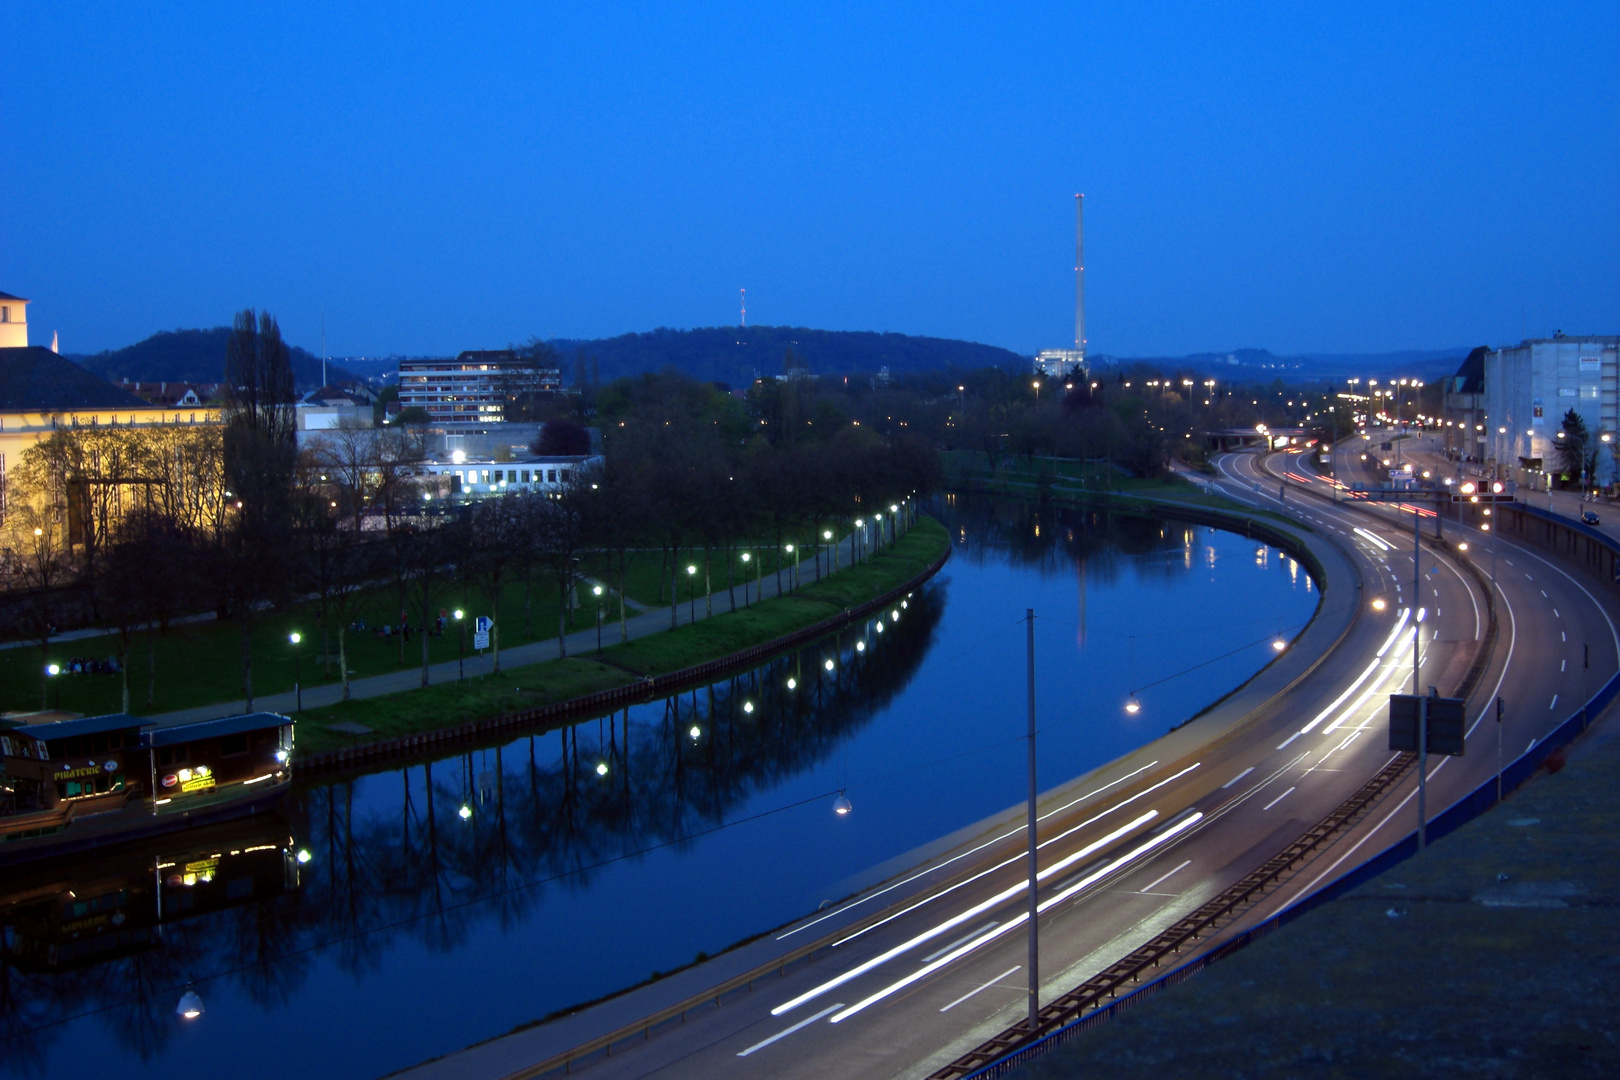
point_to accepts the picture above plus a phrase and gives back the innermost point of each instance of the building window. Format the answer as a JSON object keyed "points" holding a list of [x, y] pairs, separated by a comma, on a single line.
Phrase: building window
{"points": [[511, 476], [5, 314], [565, 476], [551, 476], [3, 465]]}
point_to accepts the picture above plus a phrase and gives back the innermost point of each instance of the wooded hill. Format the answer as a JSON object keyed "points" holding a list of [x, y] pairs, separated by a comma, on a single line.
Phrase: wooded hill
{"points": [[189, 356], [736, 355]]}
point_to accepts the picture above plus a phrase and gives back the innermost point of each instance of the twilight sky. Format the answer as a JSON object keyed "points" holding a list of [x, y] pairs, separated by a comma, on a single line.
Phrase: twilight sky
{"points": [[439, 176]]}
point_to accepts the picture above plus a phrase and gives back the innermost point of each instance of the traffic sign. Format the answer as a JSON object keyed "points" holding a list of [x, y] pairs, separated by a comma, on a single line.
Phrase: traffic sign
{"points": [[481, 627], [1447, 724]]}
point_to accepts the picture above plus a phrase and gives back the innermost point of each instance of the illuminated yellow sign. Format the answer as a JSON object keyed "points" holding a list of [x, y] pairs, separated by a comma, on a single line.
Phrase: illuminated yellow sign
{"points": [[197, 783]]}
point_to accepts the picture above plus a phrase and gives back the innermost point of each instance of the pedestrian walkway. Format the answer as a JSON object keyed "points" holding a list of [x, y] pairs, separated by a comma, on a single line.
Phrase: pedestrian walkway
{"points": [[579, 644]]}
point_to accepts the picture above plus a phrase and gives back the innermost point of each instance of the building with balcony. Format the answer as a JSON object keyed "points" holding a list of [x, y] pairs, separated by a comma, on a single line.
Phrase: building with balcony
{"points": [[475, 388]]}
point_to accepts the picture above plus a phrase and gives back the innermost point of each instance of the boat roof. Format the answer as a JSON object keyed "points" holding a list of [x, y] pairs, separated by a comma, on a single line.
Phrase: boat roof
{"points": [[213, 729], [84, 725]]}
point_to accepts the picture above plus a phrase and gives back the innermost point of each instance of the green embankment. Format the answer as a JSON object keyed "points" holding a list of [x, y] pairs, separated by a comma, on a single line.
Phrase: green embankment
{"points": [[415, 711], [200, 663]]}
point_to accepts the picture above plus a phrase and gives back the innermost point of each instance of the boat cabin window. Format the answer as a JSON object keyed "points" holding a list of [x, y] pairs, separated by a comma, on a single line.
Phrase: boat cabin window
{"points": [[231, 745], [171, 755]]}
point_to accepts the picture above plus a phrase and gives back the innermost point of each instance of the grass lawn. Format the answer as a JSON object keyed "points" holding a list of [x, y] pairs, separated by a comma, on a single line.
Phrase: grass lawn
{"points": [[420, 710]]}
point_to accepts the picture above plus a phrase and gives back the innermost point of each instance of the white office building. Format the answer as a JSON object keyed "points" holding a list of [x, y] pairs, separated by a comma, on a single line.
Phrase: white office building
{"points": [[1529, 387]]}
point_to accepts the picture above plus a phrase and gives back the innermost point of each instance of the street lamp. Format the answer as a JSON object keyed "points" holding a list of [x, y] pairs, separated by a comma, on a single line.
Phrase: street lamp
{"points": [[597, 590], [461, 647], [691, 575], [53, 670], [794, 577], [298, 682], [746, 558]]}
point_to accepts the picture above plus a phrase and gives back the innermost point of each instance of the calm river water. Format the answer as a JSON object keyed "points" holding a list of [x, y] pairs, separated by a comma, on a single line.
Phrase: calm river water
{"points": [[441, 905]]}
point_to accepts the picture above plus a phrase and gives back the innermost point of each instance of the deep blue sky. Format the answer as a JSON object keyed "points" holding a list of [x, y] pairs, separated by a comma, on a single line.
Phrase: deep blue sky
{"points": [[435, 176]]}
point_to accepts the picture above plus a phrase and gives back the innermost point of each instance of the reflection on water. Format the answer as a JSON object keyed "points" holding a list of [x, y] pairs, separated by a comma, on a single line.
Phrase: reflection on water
{"points": [[446, 902]]}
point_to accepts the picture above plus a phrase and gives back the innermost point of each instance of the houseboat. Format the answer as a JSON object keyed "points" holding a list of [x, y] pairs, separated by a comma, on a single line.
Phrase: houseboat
{"points": [[72, 785]]}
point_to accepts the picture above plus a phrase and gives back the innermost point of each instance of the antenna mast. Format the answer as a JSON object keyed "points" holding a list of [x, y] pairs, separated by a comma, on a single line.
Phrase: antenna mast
{"points": [[323, 348], [744, 308], [1080, 275]]}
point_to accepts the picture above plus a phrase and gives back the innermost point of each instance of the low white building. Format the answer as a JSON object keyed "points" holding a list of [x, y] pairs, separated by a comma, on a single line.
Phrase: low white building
{"points": [[1062, 364], [477, 479], [1530, 386]]}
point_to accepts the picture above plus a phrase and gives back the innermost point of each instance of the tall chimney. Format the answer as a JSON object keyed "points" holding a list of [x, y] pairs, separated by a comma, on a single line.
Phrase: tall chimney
{"points": [[1080, 274]]}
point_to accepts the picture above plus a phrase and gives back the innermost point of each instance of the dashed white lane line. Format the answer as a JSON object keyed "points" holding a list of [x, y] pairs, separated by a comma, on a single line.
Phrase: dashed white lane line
{"points": [[801, 1024], [1278, 799], [1160, 880], [1554, 704], [963, 940], [970, 993], [1238, 777], [1556, 615]]}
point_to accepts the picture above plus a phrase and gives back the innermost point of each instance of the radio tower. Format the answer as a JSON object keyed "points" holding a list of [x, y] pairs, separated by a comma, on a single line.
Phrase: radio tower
{"points": [[744, 308], [1080, 275]]}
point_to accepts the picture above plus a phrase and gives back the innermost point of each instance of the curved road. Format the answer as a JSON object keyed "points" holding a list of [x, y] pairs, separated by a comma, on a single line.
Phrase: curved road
{"points": [[932, 964]]}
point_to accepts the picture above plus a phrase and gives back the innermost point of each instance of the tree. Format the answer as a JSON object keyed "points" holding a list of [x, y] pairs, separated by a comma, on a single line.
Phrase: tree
{"points": [[260, 447], [1572, 442], [561, 438]]}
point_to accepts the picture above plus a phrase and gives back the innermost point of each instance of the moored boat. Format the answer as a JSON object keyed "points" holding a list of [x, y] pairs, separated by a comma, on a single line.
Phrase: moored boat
{"points": [[82, 783]]}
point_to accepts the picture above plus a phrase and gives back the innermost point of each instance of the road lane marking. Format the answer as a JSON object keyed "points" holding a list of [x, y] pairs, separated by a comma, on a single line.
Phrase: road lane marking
{"points": [[785, 1033], [963, 940], [1238, 777], [1556, 615], [1290, 739], [1160, 880], [1278, 799], [970, 993], [1563, 665], [1554, 704]]}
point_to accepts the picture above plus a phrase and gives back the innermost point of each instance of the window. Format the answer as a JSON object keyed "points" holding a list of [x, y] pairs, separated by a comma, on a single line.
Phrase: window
{"points": [[551, 476], [231, 745], [511, 476], [3, 464], [5, 314]]}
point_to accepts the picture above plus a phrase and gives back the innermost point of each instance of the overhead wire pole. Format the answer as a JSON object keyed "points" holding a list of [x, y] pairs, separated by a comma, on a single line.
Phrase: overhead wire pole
{"points": [[1034, 932], [1423, 701]]}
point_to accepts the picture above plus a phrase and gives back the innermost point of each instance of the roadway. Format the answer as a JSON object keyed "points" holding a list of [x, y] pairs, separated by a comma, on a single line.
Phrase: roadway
{"points": [[933, 963]]}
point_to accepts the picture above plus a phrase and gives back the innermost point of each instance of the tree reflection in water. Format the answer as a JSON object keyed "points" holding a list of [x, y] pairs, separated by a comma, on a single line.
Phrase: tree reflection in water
{"points": [[475, 837]]}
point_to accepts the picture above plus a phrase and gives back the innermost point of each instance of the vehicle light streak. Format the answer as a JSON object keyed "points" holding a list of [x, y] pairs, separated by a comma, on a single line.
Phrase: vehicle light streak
{"points": [[1019, 857], [967, 916], [1046, 905], [1379, 540], [1400, 624], [964, 855]]}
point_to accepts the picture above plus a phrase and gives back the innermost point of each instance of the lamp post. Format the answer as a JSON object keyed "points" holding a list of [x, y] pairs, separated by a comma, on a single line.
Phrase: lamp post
{"points": [[52, 671], [832, 551], [793, 577], [597, 591], [691, 594], [298, 682], [746, 559], [461, 646]]}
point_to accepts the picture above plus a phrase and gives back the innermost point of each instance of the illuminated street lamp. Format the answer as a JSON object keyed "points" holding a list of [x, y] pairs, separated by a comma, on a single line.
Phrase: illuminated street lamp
{"points": [[191, 1006], [691, 575], [842, 806], [597, 591], [746, 558], [298, 682], [461, 647]]}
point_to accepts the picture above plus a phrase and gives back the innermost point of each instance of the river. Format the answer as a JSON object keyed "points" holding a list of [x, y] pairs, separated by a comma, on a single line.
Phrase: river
{"points": [[401, 915]]}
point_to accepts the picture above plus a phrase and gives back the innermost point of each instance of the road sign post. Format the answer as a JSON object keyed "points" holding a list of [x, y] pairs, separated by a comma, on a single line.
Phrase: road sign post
{"points": [[1422, 724], [481, 630]]}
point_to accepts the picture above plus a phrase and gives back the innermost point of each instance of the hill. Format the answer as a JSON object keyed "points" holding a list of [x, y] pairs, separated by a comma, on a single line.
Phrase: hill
{"points": [[189, 356], [735, 355], [1248, 364]]}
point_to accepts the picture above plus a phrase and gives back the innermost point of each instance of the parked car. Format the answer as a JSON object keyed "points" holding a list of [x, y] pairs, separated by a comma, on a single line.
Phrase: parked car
{"points": [[1589, 517]]}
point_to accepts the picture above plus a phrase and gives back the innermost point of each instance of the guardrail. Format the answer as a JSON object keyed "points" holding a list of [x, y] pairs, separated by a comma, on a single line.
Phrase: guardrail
{"points": [[407, 747]]}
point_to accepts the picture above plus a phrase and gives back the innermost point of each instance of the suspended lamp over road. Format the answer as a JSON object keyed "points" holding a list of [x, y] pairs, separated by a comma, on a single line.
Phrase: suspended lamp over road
{"points": [[1133, 706], [841, 805], [190, 1006]]}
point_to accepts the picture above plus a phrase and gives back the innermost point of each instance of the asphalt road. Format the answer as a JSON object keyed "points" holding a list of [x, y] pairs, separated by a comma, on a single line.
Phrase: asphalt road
{"points": [[1129, 850]]}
